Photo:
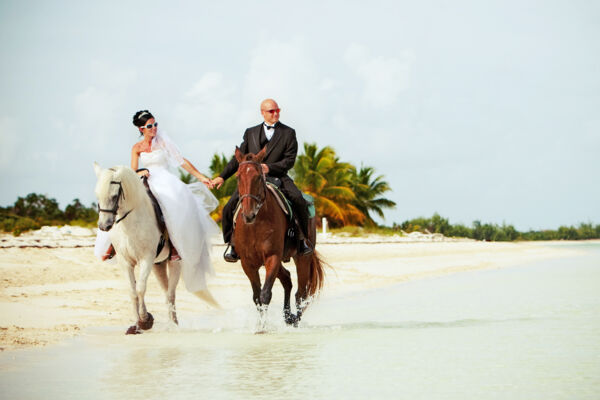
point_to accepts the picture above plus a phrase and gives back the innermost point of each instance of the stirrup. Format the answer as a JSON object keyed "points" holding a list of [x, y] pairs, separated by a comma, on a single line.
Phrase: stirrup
{"points": [[230, 255], [304, 248]]}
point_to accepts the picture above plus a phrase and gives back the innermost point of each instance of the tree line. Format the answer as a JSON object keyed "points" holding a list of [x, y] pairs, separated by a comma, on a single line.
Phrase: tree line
{"points": [[494, 232], [344, 194], [36, 210]]}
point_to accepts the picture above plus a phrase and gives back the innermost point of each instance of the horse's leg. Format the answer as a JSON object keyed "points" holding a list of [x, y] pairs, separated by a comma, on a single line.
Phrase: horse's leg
{"points": [[273, 266], [254, 277], [303, 272], [128, 269], [286, 282], [160, 271], [146, 320], [174, 274]]}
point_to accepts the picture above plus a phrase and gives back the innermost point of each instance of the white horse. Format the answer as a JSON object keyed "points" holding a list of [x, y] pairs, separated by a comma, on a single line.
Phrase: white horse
{"points": [[126, 211]]}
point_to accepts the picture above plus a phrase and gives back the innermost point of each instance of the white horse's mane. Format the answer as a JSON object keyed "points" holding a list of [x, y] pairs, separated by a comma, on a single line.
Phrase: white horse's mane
{"points": [[132, 186]]}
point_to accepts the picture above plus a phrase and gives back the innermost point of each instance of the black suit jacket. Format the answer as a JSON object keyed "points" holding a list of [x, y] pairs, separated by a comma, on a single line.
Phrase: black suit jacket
{"points": [[281, 150]]}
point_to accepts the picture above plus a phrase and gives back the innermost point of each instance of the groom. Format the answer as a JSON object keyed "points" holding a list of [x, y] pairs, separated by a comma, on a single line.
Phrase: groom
{"points": [[282, 148]]}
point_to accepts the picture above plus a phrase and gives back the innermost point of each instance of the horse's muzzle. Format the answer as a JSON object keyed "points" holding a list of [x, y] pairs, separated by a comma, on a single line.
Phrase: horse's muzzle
{"points": [[105, 226], [249, 218]]}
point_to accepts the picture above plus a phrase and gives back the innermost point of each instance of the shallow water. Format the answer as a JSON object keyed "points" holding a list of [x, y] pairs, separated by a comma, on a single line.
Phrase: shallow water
{"points": [[531, 331]]}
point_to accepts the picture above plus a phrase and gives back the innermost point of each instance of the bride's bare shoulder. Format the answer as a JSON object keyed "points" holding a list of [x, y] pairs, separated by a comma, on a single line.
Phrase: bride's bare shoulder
{"points": [[137, 147]]}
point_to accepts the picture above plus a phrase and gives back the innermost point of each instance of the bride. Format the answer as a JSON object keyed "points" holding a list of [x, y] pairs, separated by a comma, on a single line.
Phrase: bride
{"points": [[185, 208]]}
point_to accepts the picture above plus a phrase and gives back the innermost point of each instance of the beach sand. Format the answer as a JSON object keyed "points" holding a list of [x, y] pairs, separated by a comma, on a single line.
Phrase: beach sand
{"points": [[54, 288]]}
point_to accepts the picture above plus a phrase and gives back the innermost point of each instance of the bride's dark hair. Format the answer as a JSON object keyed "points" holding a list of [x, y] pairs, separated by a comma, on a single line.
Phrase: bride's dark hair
{"points": [[141, 117]]}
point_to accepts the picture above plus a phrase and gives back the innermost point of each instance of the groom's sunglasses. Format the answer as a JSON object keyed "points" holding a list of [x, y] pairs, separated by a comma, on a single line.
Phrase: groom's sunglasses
{"points": [[149, 126], [273, 111]]}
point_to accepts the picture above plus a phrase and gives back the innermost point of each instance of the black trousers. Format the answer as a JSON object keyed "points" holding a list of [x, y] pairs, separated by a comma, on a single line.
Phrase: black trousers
{"points": [[289, 189]]}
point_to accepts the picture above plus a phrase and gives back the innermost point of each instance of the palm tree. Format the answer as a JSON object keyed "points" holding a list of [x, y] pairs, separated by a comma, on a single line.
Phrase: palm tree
{"points": [[217, 165], [186, 177], [329, 181], [368, 190]]}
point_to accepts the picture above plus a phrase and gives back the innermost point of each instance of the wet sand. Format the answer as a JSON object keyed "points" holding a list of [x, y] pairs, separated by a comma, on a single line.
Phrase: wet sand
{"points": [[50, 293]]}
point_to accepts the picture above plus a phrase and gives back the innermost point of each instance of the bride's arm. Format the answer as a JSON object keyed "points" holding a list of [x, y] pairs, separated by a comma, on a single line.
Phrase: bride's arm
{"points": [[135, 157], [189, 167]]}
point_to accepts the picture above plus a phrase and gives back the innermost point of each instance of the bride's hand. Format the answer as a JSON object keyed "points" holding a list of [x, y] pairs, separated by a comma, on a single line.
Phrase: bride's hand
{"points": [[207, 182], [143, 172]]}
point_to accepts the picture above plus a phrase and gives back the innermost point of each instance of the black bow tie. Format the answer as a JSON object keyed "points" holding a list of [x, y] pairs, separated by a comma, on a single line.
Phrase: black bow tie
{"points": [[269, 127]]}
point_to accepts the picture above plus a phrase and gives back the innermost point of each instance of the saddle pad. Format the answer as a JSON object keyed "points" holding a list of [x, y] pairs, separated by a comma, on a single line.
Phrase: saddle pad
{"points": [[281, 200], [311, 205]]}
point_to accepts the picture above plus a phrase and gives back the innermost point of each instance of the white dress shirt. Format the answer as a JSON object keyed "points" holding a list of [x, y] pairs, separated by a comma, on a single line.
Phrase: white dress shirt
{"points": [[268, 132]]}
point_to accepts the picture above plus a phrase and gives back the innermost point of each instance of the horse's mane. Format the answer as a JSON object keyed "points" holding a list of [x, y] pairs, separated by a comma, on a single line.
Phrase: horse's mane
{"points": [[132, 186], [133, 189]]}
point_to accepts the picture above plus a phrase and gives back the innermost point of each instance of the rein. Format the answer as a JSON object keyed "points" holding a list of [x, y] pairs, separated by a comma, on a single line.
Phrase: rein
{"points": [[113, 211], [258, 200]]}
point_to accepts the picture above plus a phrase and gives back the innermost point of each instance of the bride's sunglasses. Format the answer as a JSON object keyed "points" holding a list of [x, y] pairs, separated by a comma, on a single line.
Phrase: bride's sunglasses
{"points": [[150, 126]]}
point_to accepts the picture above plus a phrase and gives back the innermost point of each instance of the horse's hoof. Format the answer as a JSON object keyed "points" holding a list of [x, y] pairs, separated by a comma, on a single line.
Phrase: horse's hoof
{"points": [[290, 319], [145, 325], [133, 330]]}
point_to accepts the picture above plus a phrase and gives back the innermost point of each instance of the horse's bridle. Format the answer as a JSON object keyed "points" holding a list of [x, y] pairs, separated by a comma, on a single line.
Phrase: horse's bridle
{"points": [[113, 211], [258, 200]]}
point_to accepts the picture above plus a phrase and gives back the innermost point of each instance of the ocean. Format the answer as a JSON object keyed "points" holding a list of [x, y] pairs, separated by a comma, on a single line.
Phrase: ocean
{"points": [[531, 331]]}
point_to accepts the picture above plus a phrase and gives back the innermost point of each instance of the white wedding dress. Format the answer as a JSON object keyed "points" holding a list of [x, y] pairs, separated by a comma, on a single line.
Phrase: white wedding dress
{"points": [[186, 209]]}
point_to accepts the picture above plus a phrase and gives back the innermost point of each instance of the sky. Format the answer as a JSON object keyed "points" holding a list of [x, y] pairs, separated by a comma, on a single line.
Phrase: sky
{"points": [[475, 110]]}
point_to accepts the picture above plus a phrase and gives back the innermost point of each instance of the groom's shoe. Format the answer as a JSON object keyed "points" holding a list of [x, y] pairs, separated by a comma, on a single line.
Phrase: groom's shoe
{"points": [[304, 248], [231, 256]]}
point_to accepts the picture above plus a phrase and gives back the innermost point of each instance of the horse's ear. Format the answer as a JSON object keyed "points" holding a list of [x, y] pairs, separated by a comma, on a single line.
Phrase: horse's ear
{"points": [[97, 169], [238, 154], [261, 154]]}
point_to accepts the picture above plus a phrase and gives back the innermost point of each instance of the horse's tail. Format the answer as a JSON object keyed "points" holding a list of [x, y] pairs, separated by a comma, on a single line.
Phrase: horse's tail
{"points": [[317, 274], [207, 296]]}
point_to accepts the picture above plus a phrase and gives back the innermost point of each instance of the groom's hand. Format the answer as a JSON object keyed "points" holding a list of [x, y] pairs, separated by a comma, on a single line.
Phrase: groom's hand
{"points": [[218, 181]]}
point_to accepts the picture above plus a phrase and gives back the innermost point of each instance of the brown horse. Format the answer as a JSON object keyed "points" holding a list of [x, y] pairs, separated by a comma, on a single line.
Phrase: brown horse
{"points": [[259, 237]]}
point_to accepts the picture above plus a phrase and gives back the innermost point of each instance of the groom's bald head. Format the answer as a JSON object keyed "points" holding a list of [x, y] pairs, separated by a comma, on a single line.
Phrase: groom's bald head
{"points": [[270, 111]]}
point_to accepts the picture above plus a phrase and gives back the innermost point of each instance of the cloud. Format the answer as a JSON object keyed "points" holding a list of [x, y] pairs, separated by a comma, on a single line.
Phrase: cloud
{"points": [[99, 113], [212, 115], [207, 105], [285, 71], [383, 78]]}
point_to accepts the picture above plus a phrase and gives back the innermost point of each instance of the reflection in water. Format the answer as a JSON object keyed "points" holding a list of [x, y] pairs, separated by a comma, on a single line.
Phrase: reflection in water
{"points": [[223, 365], [140, 369], [271, 367]]}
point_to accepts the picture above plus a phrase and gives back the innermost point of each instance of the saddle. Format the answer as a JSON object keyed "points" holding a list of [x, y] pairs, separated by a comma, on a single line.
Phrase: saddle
{"points": [[291, 237], [162, 252]]}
